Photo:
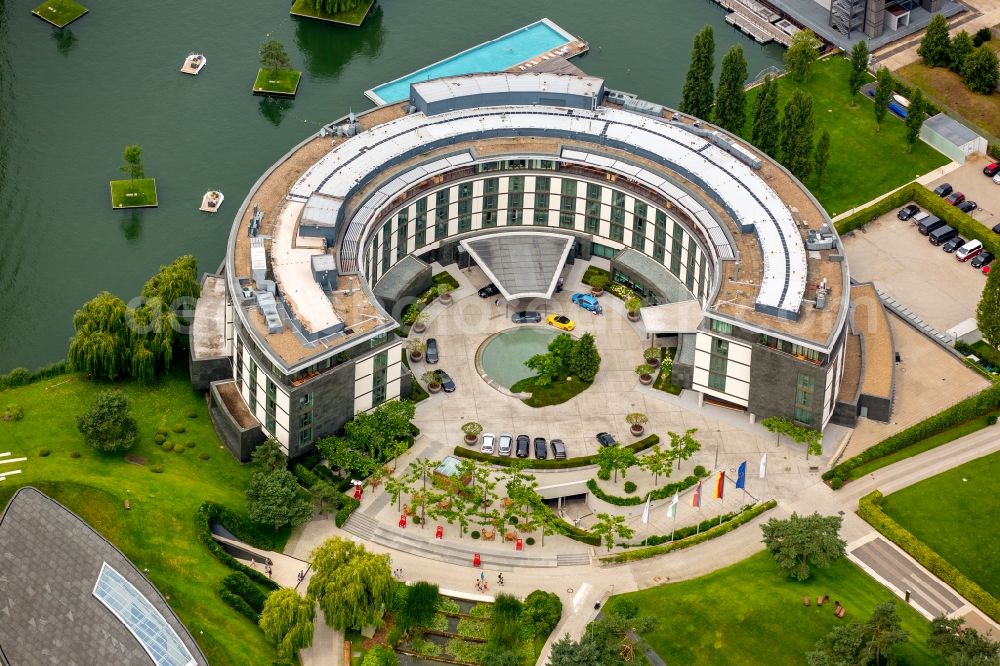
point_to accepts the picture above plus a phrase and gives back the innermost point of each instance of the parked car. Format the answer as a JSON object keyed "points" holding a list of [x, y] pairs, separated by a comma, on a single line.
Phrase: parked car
{"points": [[447, 383], [489, 290], [541, 451], [992, 169], [526, 317], [488, 440], [996, 179], [929, 224], [955, 198], [587, 302], [606, 439], [558, 449], [943, 190], [982, 259], [431, 353], [996, 228], [968, 206], [506, 439], [942, 234], [561, 321], [953, 244], [969, 250], [906, 212], [522, 446]]}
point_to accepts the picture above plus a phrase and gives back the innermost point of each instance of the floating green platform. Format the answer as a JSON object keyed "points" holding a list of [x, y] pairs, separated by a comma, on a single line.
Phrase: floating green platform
{"points": [[138, 193], [278, 83], [59, 13], [353, 17]]}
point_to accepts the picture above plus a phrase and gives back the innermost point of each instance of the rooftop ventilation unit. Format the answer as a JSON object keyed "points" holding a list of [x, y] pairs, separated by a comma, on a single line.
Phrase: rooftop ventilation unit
{"points": [[269, 308], [817, 240], [258, 260]]}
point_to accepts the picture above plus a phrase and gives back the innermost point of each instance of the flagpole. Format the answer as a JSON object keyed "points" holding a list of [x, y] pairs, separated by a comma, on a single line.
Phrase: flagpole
{"points": [[674, 528]]}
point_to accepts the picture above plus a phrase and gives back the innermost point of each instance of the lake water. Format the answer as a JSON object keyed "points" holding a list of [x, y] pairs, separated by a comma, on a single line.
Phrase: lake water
{"points": [[71, 100]]}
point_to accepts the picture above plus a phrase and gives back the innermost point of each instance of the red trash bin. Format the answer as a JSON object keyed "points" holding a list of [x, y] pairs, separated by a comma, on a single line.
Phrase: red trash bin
{"points": [[519, 545], [402, 521], [475, 559], [439, 532]]}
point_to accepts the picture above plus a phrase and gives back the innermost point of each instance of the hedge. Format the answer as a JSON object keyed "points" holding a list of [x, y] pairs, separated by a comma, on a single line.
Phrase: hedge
{"points": [[305, 476], [572, 531], [994, 151], [240, 584], [652, 551], [346, 509], [22, 376], [567, 463], [876, 210], [209, 513], [985, 401], [657, 494], [240, 605], [870, 509]]}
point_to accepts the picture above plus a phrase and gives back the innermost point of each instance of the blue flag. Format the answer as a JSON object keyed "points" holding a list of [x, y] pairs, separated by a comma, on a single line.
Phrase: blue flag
{"points": [[741, 476]]}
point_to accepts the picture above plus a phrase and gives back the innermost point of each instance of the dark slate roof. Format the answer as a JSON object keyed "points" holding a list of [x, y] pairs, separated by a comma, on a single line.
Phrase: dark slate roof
{"points": [[49, 562]]}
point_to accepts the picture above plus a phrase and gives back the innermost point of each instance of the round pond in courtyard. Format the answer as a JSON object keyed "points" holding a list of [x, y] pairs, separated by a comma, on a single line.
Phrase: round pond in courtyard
{"points": [[503, 356]]}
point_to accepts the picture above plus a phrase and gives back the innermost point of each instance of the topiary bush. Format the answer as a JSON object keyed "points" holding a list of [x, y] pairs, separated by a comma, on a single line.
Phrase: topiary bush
{"points": [[167, 446], [179, 448], [622, 607], [512, 520], [991, 419], [202, 456], [179, 428], [604, 474], [699, 470], [75, 454], [475, 534], [156, 469], [189, 444], [530, 541], [12, 413], [192, 415], [159, 439], [836, 483], [630, 487], [43, 453], [161, 431]]}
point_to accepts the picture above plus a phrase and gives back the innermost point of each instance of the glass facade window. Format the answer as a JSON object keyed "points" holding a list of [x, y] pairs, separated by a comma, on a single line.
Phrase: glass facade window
{"points": [[617, 232], [721, 326], [420, 231], [252, 385], [401, 234], [566, 220], [542, 183], [717, 381], [603, 251], [305, 436], [515, 205], [593, 192], [592, 224], [442, 199], [692, 253], [676, 249], [804, 398], [515, 184], [541, 208], [491, 185], [386, 239]]}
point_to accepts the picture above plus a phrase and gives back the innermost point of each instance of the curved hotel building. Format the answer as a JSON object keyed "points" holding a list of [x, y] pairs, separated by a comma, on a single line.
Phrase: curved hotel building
{"points": [[520, 174]]}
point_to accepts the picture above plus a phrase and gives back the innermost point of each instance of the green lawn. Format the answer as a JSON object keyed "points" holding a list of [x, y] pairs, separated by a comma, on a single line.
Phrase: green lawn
{"points": [[863, 163], [158, 533], [138, 193], [751, 613], [353, 17], [554, 394], [59, 13], [282, 82], [954, 514]]}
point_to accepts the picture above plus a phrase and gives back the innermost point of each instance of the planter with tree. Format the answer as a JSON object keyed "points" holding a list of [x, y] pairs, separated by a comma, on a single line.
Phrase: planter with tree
{"points": [[416, 346], [444, 293], [632, 306], [598, 284], [420, 323], [471, 430], [137, 191], [276, 76], [652, 356], [433, 381], [637, 422], [645, 372]]}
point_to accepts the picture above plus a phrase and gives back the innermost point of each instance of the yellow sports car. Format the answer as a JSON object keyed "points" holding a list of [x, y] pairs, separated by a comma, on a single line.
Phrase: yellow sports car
{"points": [[560, 321]]}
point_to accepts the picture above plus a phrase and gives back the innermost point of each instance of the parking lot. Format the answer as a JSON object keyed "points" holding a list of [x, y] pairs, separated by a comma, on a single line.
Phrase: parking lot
{"points": [[900, 261], [970, 181]]}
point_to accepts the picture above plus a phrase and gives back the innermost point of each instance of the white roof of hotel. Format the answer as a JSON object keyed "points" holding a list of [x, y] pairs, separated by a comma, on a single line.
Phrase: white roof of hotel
{"points": [[735, 186], [501, 82]]}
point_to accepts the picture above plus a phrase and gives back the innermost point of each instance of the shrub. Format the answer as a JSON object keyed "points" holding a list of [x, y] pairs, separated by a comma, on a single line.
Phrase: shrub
{"points": [[159, 439], [530, 541], [991, 419], [350, 504], [394, 636], [156, 469], [12, 413], [167, 446], [475, 534], [836, 483], [604, 474], [380, 655], [189, 444], [699, 470], [178, 428], [179, 448], [567, 463], [305, 476], [161, 431], [982, 35], [866, 215], [662, 492], [542, 611], [242, 607], [108, 424], [202, 456], [43, 453], [18, 377], [75, 454], [192, 415], [630, 487], [240, 584], [623, 607], [512, 520]]}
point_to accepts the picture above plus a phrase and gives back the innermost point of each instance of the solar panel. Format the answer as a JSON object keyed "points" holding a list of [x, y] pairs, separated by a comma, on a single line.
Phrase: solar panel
{"points": [[156, 636]]}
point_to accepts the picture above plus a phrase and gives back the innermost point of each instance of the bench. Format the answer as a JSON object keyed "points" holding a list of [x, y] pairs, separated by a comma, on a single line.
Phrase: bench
{"points": [[840, 611], [805, 601], [127, 505]]}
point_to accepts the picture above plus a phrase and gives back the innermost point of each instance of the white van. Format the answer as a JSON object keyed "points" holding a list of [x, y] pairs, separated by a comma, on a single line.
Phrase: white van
{"points": [[996, 179], [969, 250]]}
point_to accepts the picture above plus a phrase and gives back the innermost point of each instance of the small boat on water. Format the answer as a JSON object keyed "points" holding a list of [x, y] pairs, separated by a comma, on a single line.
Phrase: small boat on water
{"points": [[194, 63], [212, 201]]}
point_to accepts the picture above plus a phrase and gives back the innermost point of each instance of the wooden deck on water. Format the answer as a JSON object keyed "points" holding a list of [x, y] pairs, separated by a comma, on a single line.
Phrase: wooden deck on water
{"points": [[555, 61], [755, 20]]}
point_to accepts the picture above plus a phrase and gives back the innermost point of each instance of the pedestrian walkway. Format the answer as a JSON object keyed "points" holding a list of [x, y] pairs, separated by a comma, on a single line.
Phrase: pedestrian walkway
{"points": [[284, 568]]}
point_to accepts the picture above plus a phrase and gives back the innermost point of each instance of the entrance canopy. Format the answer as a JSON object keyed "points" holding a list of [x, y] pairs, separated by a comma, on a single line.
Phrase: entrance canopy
{"points": [[683, 317], [522, 264]]}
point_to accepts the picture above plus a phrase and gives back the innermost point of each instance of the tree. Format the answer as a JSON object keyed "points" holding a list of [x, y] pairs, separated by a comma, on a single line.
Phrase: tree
{"points": [[683, 446], [108, 424], [380, 655], [561, 349], [764, 127], [541, 611], [844, 645], [981, 71], [804, 541], [884, 633], [324, 497], [287, 621], [588, 651], [988, 310], [619, 629], [961, 47], [730, 99], [935, 47], [822, 155], [352, 586], [859, 69], [961, 646], [696, 97], [273, 499], [883, 95], [586, 360], [396, 487], [797, 134], [101, 346], [801, 54], [657, 461], [421, 604], [915, 118], [610, 527], [269, 456], [133, 162], [273, 56], [333, 6], [547, 368]]}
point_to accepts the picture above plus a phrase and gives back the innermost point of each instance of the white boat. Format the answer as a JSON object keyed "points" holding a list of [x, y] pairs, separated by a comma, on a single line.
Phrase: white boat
{"points": [[902, 101], [212, 201], [194, 63]]}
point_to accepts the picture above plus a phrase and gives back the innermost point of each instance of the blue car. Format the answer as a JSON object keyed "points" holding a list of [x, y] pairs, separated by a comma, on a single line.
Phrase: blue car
{"points": [[587, 302]]}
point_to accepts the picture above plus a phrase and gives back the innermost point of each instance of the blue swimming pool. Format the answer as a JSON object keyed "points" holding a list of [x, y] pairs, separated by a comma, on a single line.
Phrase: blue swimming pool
{"points": [[493, 56]]}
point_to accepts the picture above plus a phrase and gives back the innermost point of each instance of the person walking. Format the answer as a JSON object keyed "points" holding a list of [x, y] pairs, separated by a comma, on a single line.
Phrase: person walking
{"points": [[500, 578]]}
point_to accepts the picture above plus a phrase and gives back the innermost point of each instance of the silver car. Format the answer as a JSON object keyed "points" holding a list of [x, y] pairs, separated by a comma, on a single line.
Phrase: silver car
{"points": [[487, 442], [506, 443]]}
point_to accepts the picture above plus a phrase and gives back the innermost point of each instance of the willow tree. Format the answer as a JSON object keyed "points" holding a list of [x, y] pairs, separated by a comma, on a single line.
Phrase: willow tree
{"points": [[334, 6], [287, 621], [352, 586], [101, 346], [175, 282]]}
